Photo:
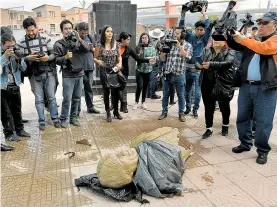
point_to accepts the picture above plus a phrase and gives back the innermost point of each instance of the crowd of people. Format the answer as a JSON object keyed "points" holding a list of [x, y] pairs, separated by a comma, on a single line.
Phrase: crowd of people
{"points": [[195, 66]]}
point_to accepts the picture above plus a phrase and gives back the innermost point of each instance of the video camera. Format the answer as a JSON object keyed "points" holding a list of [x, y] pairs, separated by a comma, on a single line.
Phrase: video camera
{"points": [[72, 37], [246, 21], [168, 41], [227, 24], [194, 6]]}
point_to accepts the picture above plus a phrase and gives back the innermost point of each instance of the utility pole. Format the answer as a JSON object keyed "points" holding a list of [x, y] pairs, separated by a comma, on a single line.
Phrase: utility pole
{"points": [[83, 3]]}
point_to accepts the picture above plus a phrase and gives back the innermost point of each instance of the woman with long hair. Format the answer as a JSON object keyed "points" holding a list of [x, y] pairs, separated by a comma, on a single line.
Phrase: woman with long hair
{"points": [[126, 51], [108, 57], [144, 50]]}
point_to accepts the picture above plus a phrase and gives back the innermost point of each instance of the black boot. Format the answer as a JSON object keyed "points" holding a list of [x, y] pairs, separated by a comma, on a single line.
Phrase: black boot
{"points": [[207, 134], [117, 115], [124, 107], [224, 131], [121, 107], [109, 117]]}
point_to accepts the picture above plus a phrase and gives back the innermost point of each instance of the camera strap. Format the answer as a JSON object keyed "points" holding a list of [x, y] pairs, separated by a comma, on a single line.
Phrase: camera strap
{"points": [[28, 45]]}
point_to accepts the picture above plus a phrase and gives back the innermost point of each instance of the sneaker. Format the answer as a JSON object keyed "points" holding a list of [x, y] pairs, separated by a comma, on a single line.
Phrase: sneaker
{"points": [[162, 116], [262, 158], [23, 133], [207, 134], [171, 103], [93, 111], [41, 126], [155, 96], [143, 106], [240, 149], [135, 106], [57, 124], [187, 111], [13, 138], [195, 114], [75, 122], [64, 124], [182, 117]]}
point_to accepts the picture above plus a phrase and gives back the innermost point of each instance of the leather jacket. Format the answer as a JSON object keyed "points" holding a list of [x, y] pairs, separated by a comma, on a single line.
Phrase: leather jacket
{"points": [[221, 71]]}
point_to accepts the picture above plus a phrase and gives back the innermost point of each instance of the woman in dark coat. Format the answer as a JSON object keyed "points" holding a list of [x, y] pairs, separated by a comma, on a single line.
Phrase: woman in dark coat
{"points": [[216, 83], [126, 51]]}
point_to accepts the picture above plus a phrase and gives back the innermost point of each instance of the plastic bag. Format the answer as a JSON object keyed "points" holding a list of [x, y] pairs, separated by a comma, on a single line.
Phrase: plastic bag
{"points": [[160, 169], [126, 193]]}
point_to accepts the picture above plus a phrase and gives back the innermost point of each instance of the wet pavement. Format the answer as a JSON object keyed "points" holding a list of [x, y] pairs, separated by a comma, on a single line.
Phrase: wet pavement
{"points": [[37, 173]]}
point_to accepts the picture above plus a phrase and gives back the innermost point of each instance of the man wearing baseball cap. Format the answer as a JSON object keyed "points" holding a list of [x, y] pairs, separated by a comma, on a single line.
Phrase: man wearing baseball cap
{"points": [[258, 78]]}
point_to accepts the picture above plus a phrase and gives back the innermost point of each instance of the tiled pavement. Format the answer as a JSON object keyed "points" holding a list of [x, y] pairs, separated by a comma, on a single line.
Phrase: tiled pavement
{"points": [[38, 173]]}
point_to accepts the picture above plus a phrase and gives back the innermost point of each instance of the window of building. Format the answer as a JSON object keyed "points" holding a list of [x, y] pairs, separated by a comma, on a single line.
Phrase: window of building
{"points": [[38, 14], [52, 14], [21, 17], [15, 26]]}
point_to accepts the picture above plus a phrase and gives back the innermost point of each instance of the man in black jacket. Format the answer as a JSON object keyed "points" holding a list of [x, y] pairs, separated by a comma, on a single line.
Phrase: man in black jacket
{"points": [[258, 80], [69, 53]]}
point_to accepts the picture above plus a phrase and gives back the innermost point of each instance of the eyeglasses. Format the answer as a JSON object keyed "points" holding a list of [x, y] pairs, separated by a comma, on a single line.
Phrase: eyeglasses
{"points": [[263, 23]]}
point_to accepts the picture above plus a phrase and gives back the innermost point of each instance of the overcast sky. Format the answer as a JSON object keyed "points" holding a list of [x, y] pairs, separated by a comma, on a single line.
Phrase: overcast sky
{"points": [[67, 4]]}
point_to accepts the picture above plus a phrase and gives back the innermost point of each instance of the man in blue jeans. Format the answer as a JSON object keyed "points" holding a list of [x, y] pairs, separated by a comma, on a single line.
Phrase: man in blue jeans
{"points": [[82, 29], [69, 53], [258, 85], [155, 36], [38, 52], [198, 40], [174, 72]]}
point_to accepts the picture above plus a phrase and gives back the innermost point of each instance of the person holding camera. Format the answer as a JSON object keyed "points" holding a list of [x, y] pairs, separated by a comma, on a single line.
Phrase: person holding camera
{"points": [[82, 29], [174, 71], [257, 79], [107, 56], [69, 53], [199, 41], [144, 50], [217, 73], [11, 68], [38, 52]]}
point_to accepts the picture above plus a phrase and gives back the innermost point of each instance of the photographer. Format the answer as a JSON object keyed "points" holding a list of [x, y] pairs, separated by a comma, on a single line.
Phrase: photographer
{"points": [[38, 52], [82, 29], [174, 72], [258, 83], [11, 68], [199, 41], [69, 52]]}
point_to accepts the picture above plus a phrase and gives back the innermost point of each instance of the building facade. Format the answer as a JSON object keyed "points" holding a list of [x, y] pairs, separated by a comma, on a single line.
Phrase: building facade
{"points": [[48, 17], [13, 18]]}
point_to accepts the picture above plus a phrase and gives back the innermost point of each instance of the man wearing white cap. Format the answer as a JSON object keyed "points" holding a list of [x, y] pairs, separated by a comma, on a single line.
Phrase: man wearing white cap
{"points": [[155, 35]]}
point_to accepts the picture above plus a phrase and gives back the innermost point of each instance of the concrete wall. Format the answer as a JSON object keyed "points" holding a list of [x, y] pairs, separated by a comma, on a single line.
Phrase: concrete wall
{"points": [[121, 15]]}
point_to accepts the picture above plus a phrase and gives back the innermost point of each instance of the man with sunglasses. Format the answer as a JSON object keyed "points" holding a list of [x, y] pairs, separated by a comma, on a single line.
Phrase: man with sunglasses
{"points": [[198, 40], [258, 77]]}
